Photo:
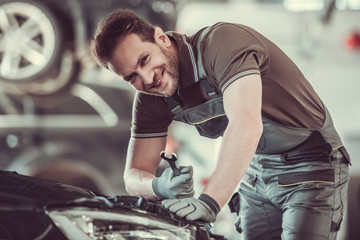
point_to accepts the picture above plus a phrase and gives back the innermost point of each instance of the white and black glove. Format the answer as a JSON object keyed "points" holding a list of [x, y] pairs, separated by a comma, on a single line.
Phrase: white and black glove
{"points": [[170, 186], [203, 208]]}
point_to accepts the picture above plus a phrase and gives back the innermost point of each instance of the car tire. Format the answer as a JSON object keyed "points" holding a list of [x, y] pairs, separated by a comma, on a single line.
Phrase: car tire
{"points": [[36, 58]]}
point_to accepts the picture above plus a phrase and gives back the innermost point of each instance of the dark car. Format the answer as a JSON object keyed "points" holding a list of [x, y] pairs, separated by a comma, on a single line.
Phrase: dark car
{"points": [[61, 117], [33, 208]]}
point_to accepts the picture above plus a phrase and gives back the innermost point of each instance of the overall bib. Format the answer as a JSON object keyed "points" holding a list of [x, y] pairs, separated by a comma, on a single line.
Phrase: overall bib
{"points": [[296, 184]]}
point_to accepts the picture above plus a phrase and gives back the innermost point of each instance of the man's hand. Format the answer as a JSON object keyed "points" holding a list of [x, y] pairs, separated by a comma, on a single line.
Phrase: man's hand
{"points": [[170, 186], [203, 208]]}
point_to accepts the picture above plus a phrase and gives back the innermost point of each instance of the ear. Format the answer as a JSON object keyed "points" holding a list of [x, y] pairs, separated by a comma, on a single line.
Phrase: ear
{"points": [[161, 38]]}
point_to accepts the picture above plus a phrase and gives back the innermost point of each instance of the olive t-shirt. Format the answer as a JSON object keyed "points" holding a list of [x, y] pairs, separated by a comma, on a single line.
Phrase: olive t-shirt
{"points": [[228, 52]]}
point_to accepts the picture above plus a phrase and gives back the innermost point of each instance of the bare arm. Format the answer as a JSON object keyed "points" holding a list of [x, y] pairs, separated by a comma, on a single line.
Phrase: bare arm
{"points": [[242, 104], [142, 160]]}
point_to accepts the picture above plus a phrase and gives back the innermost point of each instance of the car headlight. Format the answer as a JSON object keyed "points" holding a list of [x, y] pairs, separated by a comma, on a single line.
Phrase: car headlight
{"points": [[85, 223]]}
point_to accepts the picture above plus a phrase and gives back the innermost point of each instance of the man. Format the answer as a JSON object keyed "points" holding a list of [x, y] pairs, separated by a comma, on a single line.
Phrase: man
{"points": [[228, 80]]}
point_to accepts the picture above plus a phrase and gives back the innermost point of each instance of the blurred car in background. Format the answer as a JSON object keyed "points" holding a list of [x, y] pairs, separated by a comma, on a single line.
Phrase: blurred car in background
{"points": [[33, 208], [44, 43], [61, 117]]}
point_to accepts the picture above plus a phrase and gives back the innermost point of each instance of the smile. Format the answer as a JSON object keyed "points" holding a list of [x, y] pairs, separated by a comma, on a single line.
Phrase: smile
{"points": [[158, 82]]}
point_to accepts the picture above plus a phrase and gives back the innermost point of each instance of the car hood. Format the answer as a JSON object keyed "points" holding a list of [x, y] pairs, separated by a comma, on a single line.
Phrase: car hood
{"points": [[24, 190]]}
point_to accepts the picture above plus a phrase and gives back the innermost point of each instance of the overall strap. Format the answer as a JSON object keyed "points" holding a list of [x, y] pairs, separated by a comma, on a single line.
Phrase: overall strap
{"points": [[201, 70], [173, 104], [202, 75]]}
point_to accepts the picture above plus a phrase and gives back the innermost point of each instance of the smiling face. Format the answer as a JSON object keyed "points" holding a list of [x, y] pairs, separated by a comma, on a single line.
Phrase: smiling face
{"points": [[151, 68]]}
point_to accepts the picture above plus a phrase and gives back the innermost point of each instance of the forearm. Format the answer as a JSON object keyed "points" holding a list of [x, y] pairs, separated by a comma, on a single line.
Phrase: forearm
{"points": [[143, 157], [236, 152], [139, 183]]}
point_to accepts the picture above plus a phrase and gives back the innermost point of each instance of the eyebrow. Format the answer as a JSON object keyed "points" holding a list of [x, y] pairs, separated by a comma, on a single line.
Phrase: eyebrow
{"points": [[141, 56]]}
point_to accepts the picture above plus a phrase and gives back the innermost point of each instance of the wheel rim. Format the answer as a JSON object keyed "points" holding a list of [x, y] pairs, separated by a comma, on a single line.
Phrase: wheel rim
{"points": [[27, 40]]}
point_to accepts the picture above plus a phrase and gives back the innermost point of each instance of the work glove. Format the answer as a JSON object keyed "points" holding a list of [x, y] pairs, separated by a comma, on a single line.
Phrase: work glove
{"points": [[203, 208], [170, 186]]}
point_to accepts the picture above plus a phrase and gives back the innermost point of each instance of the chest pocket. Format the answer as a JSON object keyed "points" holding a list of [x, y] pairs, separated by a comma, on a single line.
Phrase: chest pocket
{"points": [[209, 117]]}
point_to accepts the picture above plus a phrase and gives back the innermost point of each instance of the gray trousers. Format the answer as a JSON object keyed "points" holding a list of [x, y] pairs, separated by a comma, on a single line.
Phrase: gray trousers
{"points": [[280, 199]]}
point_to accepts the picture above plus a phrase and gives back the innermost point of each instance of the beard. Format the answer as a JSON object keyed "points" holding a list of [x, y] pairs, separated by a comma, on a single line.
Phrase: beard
{"points": [[173, 71]]}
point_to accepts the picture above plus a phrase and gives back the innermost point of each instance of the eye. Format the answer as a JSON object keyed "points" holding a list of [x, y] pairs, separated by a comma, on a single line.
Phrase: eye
{"points": [[144, 60], [131, 78]]}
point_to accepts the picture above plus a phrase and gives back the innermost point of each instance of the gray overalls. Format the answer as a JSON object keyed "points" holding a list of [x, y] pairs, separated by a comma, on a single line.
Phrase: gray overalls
{"points": [[296, 184]]}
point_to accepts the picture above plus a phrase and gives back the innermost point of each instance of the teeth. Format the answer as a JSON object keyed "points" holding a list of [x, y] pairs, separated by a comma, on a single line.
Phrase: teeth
{"points": [[159, 81]]}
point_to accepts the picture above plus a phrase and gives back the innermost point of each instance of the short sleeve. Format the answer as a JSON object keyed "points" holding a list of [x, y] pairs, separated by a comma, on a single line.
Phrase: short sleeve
{"points": [[231, 52], [150, 116]]}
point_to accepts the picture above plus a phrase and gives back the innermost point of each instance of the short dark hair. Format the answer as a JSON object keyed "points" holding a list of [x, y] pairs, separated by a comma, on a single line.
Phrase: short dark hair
{"points": [[116, 26]]}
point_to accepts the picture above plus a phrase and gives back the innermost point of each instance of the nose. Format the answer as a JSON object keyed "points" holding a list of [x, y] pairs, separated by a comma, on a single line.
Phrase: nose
{"points": [[147, 76]]}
